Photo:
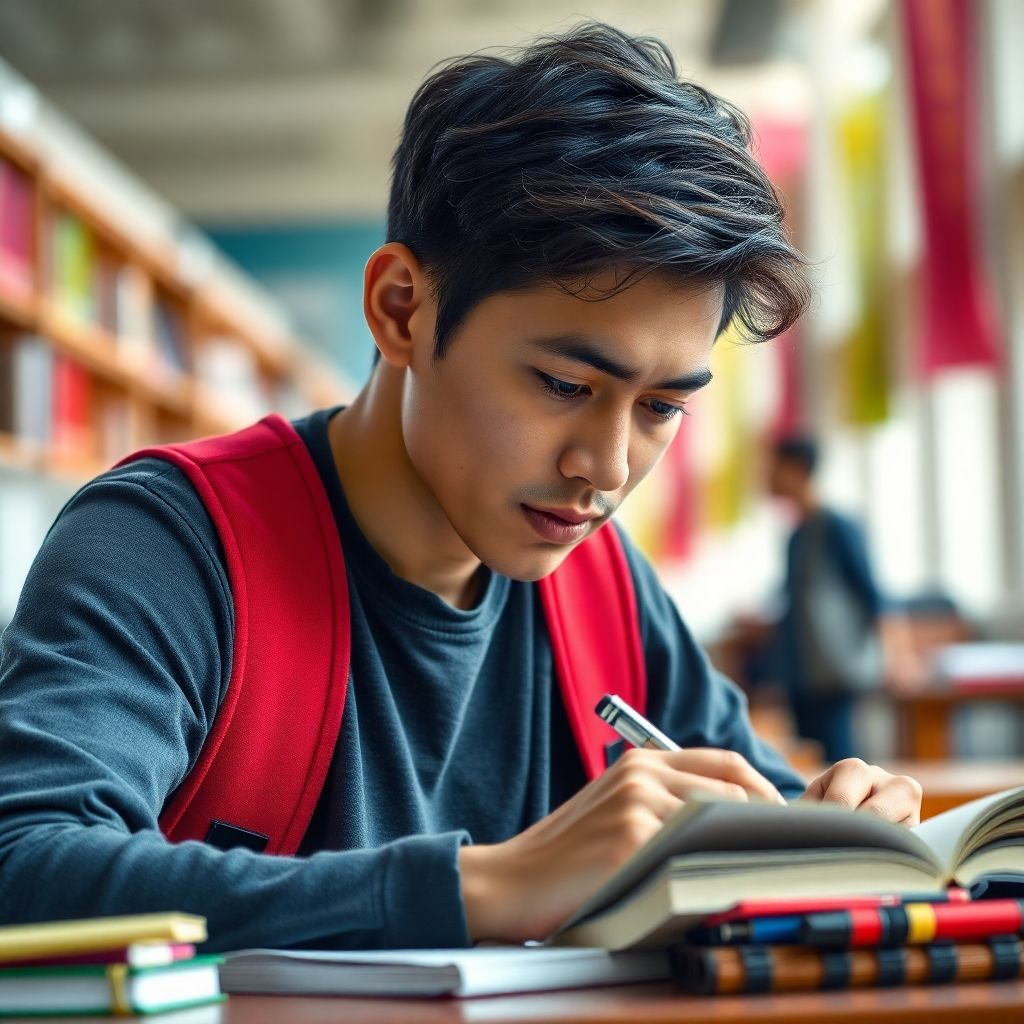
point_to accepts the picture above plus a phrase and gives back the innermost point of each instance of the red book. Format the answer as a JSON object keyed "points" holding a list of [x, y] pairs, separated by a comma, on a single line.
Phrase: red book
{"points": [[748, 909], [140, 954], [69, 426]]}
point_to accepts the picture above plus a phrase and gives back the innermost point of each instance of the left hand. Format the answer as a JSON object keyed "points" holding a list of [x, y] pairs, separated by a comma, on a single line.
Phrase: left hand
{"points": [[859, 786]]}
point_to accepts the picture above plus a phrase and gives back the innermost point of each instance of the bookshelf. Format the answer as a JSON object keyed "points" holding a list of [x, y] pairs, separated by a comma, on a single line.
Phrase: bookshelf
{"points": [[113, 339]]}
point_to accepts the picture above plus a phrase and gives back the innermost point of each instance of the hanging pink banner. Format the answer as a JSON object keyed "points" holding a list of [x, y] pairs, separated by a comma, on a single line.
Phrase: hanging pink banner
{"points": [[781, 149], [681, 520], [957, 321], [789, 415]]}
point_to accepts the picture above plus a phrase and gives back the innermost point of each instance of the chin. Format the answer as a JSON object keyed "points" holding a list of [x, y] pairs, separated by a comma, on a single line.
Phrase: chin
{"points": [[524, 566]]}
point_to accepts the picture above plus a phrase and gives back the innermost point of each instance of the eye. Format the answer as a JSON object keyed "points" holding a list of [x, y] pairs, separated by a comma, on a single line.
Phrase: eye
{"points": [[562, 389], [665, 411]]}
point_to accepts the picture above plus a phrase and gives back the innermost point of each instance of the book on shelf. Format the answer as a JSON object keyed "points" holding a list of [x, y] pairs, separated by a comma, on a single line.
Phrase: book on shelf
{"points": [[171, 345], [114, 427], [734, 969], [108, 313], [709, 855], [7, 395], [480, 971], [71, 431], [73, 268], [227, 368], [109, 988], [32, 389], [132, 314], [16, 230]]}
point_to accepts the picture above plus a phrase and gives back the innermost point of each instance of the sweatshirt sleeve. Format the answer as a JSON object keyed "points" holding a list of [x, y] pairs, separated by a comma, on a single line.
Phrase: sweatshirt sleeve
{"points": [[111, 673], [687, 698], [851, 553]]}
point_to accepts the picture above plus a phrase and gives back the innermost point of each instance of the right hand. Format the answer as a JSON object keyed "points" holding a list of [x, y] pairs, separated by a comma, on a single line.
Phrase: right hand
{"points": [[526, 886]]}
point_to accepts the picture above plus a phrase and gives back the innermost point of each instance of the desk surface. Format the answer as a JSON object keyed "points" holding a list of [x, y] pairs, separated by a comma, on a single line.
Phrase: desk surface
{"points": [[632, 1004], [654, 1003]]}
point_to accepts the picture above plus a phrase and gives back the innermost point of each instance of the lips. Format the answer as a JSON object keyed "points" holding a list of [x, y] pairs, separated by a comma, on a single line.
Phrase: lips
{"points": [[562, 527], [568, 515]]}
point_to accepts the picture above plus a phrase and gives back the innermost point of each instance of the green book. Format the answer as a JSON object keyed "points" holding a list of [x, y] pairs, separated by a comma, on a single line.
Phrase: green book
{"points": [[108, 988]]}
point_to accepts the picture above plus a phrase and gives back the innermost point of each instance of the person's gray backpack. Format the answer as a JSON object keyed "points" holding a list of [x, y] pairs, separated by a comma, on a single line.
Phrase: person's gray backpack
{"points": [[839, 646]]}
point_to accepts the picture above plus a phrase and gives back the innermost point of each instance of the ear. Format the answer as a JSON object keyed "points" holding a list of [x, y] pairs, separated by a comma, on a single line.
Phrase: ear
{"points": [[396, 302]]}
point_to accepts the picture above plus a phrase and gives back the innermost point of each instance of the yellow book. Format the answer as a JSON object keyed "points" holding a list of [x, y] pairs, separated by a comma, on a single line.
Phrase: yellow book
{"points": [[93, 935]]}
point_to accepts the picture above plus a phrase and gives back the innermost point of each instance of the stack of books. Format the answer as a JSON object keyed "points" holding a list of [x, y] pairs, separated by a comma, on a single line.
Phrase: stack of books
{"points": [[144, 963], [769, 948], [759, 897]]}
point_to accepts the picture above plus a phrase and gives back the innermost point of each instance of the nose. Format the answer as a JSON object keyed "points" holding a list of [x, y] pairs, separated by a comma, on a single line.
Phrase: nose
{"points": [[599, 453]]}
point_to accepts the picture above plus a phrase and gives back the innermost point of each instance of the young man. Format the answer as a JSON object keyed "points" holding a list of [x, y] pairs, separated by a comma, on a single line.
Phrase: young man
{"points": [[568, 233]]}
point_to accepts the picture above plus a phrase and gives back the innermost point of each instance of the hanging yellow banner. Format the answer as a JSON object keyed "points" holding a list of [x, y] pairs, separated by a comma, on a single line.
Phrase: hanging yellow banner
{"points": [[867, 351]]}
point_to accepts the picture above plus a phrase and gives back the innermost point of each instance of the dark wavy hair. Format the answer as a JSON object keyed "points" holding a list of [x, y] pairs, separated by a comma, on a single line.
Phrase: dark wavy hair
{"points": [[579, 154], [802, 451]]}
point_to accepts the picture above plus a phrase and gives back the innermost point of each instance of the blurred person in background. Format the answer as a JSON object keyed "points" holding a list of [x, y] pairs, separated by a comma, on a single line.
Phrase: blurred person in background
{"points": [[838, 637]]}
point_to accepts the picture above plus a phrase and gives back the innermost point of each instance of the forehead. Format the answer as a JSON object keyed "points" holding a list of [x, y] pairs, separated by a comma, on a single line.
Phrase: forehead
{"points": [[656, 324]]}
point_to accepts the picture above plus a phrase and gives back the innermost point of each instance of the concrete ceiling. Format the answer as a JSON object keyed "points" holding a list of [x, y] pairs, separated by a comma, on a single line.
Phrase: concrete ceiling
{"points": [[284, 109]]}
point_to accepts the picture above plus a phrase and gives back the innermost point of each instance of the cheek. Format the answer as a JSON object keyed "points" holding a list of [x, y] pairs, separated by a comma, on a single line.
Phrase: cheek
{"points": [[461, 436], [645, 453]]}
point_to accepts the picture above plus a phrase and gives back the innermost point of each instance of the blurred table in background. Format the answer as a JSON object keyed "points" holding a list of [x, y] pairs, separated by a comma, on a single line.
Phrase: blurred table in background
{"points": [[924, 729], [948, 784]]}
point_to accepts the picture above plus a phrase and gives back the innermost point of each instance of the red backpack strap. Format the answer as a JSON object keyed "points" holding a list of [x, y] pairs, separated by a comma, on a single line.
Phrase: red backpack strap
{"points": [[591, 610], [266, 758]]}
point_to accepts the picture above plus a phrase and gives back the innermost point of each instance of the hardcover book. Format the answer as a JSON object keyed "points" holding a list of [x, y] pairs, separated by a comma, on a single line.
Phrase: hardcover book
{"points": [[710, 855]]}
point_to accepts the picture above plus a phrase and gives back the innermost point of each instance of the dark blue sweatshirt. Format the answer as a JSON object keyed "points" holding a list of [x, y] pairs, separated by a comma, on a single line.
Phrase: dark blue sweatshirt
{"points": [[117, 659]]}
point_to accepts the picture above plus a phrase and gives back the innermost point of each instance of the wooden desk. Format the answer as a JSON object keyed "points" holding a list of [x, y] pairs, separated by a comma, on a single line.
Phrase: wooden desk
{"points": [[632, 1004], [924, 720]]}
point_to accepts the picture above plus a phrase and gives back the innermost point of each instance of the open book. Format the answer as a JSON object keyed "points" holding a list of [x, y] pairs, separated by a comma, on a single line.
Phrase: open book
{"points": [[709, 855]]}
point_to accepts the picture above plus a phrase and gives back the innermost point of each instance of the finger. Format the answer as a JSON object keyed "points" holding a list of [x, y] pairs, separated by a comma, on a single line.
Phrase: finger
{"points": [[897, 798], [650, 795], [816, 790], [687, 785], [657, 789], [726, 766], [851, 782]]}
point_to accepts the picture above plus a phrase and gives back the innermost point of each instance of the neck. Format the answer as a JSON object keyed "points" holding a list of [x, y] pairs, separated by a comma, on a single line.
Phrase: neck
{"points": [[395, 509], [806, 503]]}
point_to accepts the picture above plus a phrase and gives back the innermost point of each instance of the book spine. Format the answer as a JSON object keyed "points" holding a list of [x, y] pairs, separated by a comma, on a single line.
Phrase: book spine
{"points": [[911, 924], [120, 996], [743, 969], [15, 228], [761, 930], [155, 954]]}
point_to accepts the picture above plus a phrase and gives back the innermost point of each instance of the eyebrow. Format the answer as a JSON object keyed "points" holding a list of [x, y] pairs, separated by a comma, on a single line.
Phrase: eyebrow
{"points": [[581, 349]]}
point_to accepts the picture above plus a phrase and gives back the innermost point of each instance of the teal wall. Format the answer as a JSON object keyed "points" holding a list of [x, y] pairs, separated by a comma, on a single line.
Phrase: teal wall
{"points": [[316, 272]]}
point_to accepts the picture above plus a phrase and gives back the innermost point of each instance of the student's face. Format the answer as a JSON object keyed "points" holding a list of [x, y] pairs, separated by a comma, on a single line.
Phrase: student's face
{"points": [[549, 408], [786, 479]]}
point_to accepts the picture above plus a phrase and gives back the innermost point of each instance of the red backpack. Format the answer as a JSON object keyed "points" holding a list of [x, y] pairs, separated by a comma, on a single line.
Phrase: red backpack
{"points": [[265, 760]]}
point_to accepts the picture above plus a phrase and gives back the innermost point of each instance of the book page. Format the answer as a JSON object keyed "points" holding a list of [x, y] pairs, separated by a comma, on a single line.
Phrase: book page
{"points": [[947, 834]]}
